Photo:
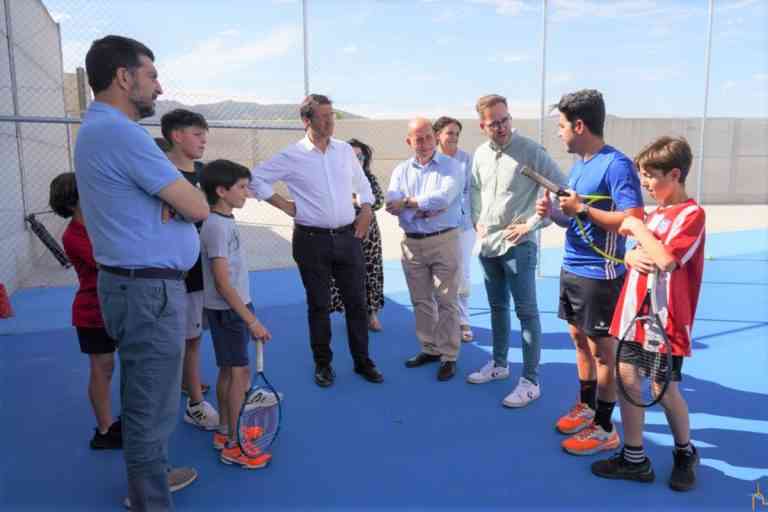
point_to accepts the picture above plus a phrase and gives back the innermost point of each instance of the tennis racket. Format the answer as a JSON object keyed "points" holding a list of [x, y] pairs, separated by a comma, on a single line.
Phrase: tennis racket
{"points": [[587, 198], [45, 236], [644, 370], [261, 412]]}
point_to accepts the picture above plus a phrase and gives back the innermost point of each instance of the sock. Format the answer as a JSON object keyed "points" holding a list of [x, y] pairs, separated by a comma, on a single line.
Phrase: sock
{"points": [[223, 430], [603, 414], [634, 454], [194, 404], [588, 392], [687, 447]]}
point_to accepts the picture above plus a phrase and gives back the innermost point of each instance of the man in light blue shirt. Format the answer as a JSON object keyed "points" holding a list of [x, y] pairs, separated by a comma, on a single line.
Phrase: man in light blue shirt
{"points": [[425, 193], [127, 187]]}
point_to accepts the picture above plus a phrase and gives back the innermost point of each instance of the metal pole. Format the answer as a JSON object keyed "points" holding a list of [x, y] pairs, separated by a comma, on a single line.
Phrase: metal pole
{"points": [[542, 112], [707, 60], [306, 46], [64, 101], [15, 102]]}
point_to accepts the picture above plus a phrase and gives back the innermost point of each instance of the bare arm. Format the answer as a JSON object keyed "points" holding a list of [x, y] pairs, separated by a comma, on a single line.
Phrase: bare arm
{"points": [[651, 246], [220, 271], [185, 199]]}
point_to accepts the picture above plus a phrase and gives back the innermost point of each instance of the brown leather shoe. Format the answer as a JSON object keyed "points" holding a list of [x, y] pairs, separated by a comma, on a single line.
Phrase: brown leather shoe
{"points": [[421, 359], [446, 371]]}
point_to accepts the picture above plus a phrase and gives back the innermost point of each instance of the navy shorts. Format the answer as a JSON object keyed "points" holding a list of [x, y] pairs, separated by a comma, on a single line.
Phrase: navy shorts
{"points": [[95, 340], [636, 355], [588, 303], [230, 337]]}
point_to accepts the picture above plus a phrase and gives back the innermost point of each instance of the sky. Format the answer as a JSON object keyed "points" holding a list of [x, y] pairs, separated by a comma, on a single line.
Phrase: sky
{"points": [[400, 58]]}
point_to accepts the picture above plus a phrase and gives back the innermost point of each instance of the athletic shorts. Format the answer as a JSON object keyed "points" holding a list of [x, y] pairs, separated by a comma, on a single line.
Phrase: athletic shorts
{"points": [[588, 303], [230, 337], [635, 354], [195, 323], [95, 340]]}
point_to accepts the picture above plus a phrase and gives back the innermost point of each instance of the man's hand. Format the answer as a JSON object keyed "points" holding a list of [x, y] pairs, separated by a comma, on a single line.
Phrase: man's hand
{"points": [[629, 225], [544, 205], [363, 221], [426, 214], [570, 204], [290, 208], [167, 213], [514, 232], [258, 331], [396, 207], [640, 261], [481, 230]]}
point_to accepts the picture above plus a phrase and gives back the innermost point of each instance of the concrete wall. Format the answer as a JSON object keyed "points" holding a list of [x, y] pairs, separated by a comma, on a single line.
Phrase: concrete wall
{"points": [[44, 148]]}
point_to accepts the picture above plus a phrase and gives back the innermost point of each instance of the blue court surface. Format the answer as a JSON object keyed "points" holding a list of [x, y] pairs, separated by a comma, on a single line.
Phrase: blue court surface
{"points": [[411, 443]]}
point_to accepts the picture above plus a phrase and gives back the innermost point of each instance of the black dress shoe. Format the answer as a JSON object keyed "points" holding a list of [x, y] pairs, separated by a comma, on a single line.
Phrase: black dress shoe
{"points": [[370, 373], [324, 376], [421, 359], [447, 370]]}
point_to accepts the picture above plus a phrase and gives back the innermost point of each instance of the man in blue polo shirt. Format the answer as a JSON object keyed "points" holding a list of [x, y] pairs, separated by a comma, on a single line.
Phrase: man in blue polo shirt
{"points": [[126, 184]]}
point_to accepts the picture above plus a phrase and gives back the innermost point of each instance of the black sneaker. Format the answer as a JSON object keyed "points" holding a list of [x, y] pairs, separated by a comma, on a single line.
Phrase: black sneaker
{"points": [[618, 468], [112, 440], [683, 477]]}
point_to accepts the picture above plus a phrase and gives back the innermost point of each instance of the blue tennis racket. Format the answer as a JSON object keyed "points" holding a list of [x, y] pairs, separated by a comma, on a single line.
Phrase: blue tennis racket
{"points": [[261, 412]]}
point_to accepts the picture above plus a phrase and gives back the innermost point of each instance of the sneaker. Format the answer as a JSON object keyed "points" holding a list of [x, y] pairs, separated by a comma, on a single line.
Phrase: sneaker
{"points": [[618, 468], [178, 478], [525, 392], [578, 418], [220, 440], [112, 440], [683, 477], [488, 373], [202, 415], [591, 440], [234, 455]]}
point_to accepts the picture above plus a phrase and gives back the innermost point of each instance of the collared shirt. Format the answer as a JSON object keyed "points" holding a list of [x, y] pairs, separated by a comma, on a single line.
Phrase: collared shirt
{"points": [[436, 186], [465, 160], [321, 183], [500, 193], [119, 171]]}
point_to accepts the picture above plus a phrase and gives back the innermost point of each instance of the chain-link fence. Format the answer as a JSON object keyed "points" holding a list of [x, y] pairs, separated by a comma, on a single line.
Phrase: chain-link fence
{"points": [[247, 83]]}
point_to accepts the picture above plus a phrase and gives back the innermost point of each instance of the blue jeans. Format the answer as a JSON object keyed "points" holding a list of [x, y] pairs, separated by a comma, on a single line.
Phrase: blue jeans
{"points": [[514, 272], [147, 318]]}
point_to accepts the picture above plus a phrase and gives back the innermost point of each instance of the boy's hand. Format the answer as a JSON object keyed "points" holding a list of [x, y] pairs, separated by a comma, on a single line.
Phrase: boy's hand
{"points": [[570, 204], [481, 230], [544, 205], [629, 225], [167, 213], [640, 261], [258, 331]]}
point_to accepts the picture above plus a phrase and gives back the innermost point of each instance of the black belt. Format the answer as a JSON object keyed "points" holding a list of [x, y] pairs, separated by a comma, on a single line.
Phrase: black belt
{"points": [[146, 273], [326, 231], [419, 236]]}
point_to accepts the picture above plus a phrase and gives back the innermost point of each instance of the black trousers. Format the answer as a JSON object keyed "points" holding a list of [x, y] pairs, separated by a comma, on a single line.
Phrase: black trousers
{"points": [[322, 255]]}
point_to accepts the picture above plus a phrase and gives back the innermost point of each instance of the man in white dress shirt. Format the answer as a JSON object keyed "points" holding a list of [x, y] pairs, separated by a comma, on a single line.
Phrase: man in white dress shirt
{"points": [[321, 174]]}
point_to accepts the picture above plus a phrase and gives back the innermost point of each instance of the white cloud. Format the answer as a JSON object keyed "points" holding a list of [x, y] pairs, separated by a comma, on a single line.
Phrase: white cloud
{"points": [[352, 48], [59, 17], [224, 56], [505, 7]]}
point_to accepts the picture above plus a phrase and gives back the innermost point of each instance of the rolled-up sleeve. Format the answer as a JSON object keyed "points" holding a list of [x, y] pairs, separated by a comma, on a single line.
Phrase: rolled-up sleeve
{"points": [[363, 186], [476, 191], [266, 174]]}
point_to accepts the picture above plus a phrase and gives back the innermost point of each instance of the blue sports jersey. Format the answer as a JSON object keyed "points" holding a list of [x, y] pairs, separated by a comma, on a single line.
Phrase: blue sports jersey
{"points": [[608, 173]]}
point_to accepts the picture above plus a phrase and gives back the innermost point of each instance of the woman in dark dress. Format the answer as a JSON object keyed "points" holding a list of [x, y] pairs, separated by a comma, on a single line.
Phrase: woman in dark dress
{"points": [[374, 273]]}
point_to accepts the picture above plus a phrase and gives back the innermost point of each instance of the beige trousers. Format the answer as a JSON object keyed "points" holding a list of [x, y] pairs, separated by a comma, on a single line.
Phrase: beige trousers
{"points": [[433, 273]]}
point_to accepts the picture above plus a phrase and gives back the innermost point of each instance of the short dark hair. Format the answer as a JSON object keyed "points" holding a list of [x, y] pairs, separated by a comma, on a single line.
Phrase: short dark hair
{"points": [[108, 54], [587, 105], [178, 119], [444, 121], [307, 108], [63, 197], [221, 173], [163, 144], [367, 152], [666, 153]]}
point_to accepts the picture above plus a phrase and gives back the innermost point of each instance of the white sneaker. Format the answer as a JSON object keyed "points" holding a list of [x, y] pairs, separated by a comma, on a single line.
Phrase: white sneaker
{"points": [[525, 393], [488, 373], [203, 416]]}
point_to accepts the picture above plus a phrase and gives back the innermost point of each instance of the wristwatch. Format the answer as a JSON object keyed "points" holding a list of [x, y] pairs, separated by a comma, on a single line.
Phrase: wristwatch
{"points": [[582, 214]]}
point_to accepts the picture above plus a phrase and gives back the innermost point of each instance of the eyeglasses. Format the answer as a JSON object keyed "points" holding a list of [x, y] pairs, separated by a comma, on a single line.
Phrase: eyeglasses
{"points": [[496, 125]]}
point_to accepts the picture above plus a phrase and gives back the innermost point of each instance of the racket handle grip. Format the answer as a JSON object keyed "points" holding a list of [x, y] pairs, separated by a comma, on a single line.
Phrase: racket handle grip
{"points": [[259, 356]]}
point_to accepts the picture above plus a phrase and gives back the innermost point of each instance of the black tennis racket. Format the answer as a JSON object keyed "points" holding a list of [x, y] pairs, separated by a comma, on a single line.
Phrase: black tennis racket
{"points": [[644, 370], [261, 412], [45, 236]]}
